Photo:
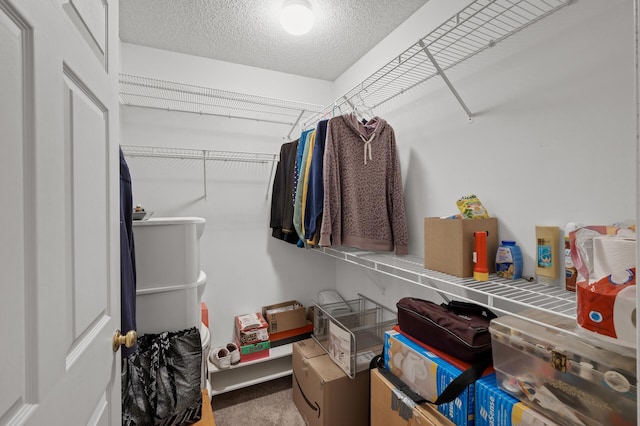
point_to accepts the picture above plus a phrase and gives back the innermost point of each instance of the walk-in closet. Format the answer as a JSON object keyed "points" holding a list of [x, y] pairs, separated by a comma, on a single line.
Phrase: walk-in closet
{"points": [[530, 105]]}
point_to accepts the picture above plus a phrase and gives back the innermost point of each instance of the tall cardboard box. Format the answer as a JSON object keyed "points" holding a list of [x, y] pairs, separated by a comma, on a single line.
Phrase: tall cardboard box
{"points": [[449, 244], [323, 393], [384, 412]]}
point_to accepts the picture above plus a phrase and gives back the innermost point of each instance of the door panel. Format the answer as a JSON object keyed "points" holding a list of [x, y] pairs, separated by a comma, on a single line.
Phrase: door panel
{"points": [[86, 142], [12, 212], [90, 19], [59, 233]]}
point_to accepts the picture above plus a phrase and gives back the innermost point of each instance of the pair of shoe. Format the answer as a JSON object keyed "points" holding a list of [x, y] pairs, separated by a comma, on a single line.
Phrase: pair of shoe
{"points": [[225, 356]]}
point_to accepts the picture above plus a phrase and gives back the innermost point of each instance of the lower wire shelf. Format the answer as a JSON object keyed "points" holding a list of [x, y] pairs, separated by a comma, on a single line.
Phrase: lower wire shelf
{"points": [[276, 365]]}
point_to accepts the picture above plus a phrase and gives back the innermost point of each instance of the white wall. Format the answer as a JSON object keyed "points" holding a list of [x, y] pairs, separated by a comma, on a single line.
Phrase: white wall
{"points": [[246, 268], [553, 141]]}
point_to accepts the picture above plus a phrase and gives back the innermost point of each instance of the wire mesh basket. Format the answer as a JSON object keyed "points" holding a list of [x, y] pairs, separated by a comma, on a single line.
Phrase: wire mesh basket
{"points": [[352, 332]]}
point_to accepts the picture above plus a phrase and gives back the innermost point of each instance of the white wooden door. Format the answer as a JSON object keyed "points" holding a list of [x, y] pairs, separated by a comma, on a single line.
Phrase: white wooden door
{"points": [[59, 212]]}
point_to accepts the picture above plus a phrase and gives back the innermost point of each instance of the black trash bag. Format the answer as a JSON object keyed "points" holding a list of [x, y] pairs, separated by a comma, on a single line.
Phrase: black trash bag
{"points": [[161, 380]]}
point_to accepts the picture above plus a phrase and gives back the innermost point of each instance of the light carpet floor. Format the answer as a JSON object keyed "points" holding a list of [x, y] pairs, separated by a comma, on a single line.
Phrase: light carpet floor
{"points": [[265, 404]]}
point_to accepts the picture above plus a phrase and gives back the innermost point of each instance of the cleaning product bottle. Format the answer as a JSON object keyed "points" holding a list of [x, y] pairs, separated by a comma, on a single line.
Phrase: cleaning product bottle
{"points": [[509, 260]]}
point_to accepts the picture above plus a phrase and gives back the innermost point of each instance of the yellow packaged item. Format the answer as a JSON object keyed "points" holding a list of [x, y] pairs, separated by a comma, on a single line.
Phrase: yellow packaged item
{"points": [[471, 207]]}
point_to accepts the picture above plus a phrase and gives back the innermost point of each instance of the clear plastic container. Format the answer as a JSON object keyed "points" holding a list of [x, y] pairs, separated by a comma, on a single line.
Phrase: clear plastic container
{"points": [[509, 260]]}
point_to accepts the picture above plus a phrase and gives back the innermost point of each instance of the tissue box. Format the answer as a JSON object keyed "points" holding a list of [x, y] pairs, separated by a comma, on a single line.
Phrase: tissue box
{"points": [[554, 370], [449, 244]]}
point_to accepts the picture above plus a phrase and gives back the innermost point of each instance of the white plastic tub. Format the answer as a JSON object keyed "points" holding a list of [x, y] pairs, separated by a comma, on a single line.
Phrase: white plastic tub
{"points": [[170, 308], [167, 251]]}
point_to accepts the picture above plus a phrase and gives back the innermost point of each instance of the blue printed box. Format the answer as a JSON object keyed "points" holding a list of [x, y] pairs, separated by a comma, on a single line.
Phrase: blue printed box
{"points": [[427, 375], [495, 407]]}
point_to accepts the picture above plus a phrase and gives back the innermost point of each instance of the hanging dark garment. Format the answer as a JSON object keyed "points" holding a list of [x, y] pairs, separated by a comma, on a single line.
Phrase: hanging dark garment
{"points": [[281, 220], [127, 256]]}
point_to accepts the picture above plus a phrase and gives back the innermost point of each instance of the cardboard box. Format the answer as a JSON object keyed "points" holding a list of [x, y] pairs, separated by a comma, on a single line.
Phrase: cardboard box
{"points": [[323, 393], [495, 407], [384, 412], [251, 328], [427, 375], [285, 316], [449, 244]]}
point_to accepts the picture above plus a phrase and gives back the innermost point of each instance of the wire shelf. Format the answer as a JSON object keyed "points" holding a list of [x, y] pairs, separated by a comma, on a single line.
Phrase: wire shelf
{"points": [[197, 154], [480, 25], [506, 296], [172, 96], [204, 155]]}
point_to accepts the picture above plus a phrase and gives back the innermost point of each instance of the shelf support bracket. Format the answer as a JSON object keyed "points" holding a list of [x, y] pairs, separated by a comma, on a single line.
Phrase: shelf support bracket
{"points": [[204, 172], [271, 175], [446, 80], [295, 124]]}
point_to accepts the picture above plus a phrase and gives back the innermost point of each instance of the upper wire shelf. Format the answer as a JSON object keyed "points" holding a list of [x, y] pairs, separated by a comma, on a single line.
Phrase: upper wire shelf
{"points": [[475, 28], [503, 295], [172, 96]]}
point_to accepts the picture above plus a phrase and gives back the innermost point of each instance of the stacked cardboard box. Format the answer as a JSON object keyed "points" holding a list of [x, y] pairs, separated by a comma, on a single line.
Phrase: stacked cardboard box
{"points": [[387, 407], [323, 393], [287, 322], [252, 336]]}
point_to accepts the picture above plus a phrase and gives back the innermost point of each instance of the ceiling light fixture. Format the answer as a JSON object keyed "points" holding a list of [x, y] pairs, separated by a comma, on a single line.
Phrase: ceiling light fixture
{"points": [[296, 16]]}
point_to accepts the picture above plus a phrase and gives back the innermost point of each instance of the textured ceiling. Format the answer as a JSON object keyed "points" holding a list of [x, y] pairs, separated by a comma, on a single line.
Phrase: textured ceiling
{"points": [[248, 32]]}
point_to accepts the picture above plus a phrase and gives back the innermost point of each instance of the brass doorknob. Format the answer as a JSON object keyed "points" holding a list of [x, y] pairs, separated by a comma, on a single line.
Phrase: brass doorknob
{"points": [[128, 339]]}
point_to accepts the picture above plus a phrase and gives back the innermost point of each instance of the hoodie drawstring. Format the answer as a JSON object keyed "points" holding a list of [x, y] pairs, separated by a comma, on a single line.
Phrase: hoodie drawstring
{"points": [[367, 146]]}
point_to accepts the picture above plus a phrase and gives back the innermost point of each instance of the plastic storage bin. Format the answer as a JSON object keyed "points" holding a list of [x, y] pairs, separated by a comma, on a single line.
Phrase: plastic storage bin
{"points": [[167, 251], [170, 308], [352, 332], [550, 367]]}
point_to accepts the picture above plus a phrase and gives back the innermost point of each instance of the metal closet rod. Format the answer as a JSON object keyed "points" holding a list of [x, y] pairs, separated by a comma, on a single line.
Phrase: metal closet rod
{"points": [[204, 155]]}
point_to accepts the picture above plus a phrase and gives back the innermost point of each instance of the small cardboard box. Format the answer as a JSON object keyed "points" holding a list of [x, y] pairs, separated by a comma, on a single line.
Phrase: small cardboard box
{"points": [[449, 244], [285, 316], [323, 393], [385, 413]]}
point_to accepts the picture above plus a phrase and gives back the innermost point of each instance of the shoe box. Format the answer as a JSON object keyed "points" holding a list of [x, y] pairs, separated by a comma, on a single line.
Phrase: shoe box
{"points": [[323, 393], [545, 362], [389, 407], [252, 337], [251, 328]]}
